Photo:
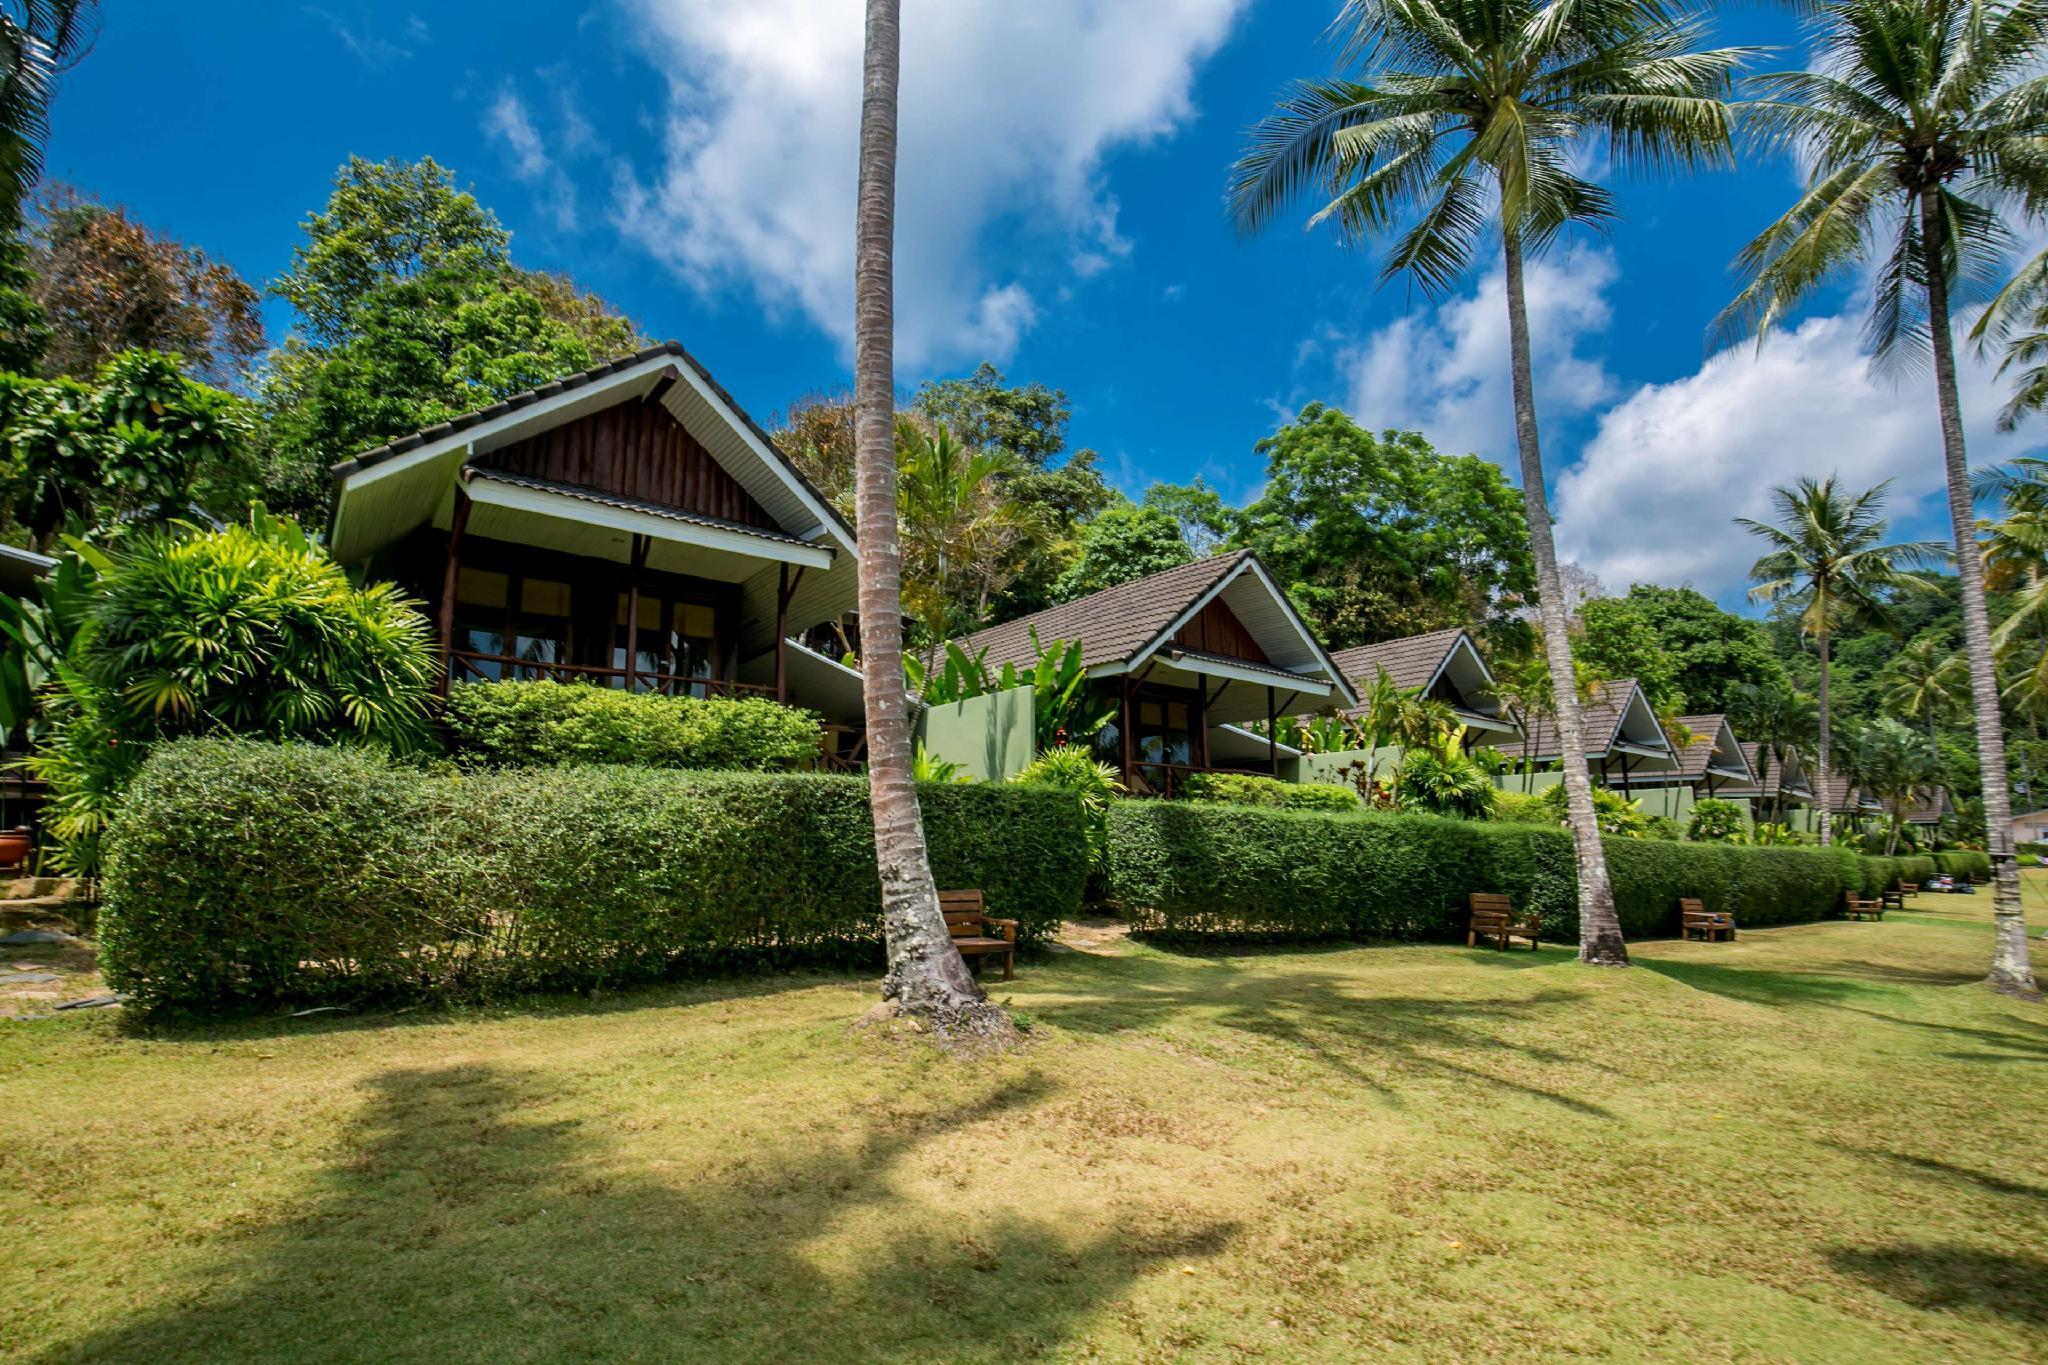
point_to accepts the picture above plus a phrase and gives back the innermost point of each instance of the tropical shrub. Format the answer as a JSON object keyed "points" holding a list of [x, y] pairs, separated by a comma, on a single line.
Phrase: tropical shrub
{"points": [[1189, 868], [1250, 789], [246, 630], [1964, 862], [538, 724], [1522, 808], [1615, 813], [240, 871], [1444, 784], [1066, 710], [1077, 770], [1716, 821]]}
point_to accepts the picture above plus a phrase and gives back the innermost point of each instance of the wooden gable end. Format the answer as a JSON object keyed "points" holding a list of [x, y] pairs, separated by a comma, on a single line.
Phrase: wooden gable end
{"points": [[634, 450], [1215, 629]]}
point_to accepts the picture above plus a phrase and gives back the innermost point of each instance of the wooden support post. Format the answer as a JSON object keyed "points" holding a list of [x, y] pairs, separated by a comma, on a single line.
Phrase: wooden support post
{"points": [[1123, 726], [640, 548], [1201, 737], [450, 574], [781, 630], [1272, 735]]}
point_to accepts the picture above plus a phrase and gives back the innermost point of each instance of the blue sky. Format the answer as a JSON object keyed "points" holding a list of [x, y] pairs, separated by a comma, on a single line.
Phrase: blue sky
{"points": [[1060, 213]]}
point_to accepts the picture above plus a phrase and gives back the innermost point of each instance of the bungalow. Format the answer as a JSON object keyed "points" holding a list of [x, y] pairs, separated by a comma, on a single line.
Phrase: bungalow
{"points": [[1929, 807], [1624, 742], [629, 526], [1713, 758], [1188, 654], [2030, 827], [1780, 785], [1442, 665]]}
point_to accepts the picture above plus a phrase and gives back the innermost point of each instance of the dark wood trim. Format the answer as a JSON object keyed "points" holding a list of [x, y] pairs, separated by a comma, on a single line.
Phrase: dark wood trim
{"points": [[1202, 726], [1124, 727], [1272, 733], [634, 572], [782, 591], [451, 571]]}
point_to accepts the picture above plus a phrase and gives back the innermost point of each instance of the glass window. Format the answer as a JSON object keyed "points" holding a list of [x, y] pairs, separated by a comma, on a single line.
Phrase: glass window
{"points": [[694, 638], [480, 599], [542, 635]]}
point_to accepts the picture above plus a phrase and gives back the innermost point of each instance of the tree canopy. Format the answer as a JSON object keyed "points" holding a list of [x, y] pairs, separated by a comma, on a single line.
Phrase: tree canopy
{"points": [[1379, 536]]}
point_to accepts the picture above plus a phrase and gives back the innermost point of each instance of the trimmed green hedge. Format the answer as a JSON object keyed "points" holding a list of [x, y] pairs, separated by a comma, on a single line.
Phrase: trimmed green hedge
{"points": [[1204, 869], [1250, 789], [240, 871], [1964, 862], [518, 724]]}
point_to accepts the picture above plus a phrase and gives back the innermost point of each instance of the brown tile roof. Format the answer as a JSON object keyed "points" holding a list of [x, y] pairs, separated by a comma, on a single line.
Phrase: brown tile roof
{"points": [[1410, 661], [1601, 717], [1754, 754], [1113, 624], [414, 440], [1694, 757], [1930, 804]]}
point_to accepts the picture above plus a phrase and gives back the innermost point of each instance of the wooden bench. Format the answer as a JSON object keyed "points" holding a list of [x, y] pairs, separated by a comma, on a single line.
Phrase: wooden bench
{"points": [[1694, 917], [1494, 917], [1857, 907], [978, 934], [1894, 899], [1909, 888]]}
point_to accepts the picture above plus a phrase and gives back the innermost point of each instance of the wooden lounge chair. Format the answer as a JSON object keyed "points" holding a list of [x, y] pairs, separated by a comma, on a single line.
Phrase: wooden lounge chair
{"points": [[1695, 918], [1860, 907], [978, 934], [1494, 917]]}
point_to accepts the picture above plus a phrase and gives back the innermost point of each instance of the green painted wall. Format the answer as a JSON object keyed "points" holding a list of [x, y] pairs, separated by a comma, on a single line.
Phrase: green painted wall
{"points": [[1328, 769], [991, 737]]}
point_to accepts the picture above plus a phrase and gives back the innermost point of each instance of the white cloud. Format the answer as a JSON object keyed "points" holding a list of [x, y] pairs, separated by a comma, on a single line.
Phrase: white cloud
{"points": [[361, 36], [1443, 370], [1007, 112], [1652, 495], [507, 121]]}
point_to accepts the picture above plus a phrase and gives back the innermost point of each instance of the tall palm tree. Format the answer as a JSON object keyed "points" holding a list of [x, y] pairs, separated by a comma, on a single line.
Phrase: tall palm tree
{"points": [[2016, 561], [1926, 682], [1919, 128], [1828, 558], [927, 977], [39, 39], [1893, 764], [960, 525], [1469, 113]]}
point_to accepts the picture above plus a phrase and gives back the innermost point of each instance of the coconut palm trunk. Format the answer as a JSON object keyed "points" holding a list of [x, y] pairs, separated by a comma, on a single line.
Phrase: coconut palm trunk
{"points": [[1823, 755], [1600, 941], [926, 976], [2011, 970]]}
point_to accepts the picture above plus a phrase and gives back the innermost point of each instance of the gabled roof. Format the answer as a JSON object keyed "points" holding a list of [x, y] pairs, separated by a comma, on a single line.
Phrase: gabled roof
{"points": [[1617, 720], [1844, 797], [1714, 751], [1786, 775], [697, 399], [1411, 662], [1930, 806], [1121, 628]]}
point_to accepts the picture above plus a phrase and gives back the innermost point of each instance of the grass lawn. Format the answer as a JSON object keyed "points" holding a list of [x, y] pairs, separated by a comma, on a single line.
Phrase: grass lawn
{"points": [[1819, 1143]]}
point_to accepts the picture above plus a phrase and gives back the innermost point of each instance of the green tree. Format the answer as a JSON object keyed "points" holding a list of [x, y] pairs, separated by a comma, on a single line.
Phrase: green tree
{"points": [[1472, 114], [1618, 641], [959, 526], [1207, 522], [1828, 559], [1918, 126], [411, 312], [1375, 537], [39, 41], [1029, 421], [1127, 541], [142, 442], [1781, 722], [1713, 652], [1895, 765]]}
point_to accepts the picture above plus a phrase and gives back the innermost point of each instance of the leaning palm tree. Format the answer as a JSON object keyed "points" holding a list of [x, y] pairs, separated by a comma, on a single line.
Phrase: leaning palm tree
{"points": [[1828, 559], [1919, 126], [927, 978], [1471, 113]]}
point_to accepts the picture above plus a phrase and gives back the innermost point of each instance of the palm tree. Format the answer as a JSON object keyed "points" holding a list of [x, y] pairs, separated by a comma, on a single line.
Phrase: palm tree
{"points": [[39, 39], [1892, 763], [926, 977], [1919, 129], [1926, 681], [1827, 559], [960, 525], [1471, 106], [1780, 721], [2016, 561]]}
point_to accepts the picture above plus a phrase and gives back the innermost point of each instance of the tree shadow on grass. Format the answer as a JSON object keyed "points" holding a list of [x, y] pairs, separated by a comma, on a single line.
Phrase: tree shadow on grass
{"points": [[1951, 1278], [1324, 1018], [458, 1223], [1763, 985], [1932, 1168]]}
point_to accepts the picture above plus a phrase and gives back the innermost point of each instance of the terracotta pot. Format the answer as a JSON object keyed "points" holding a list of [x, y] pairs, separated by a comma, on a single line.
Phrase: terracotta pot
{"points": [[14, 847]]}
